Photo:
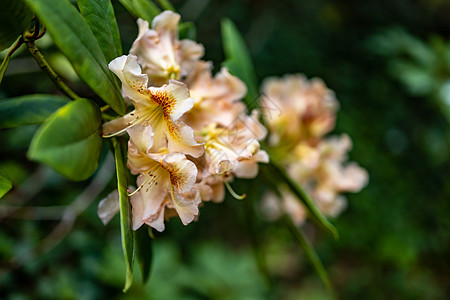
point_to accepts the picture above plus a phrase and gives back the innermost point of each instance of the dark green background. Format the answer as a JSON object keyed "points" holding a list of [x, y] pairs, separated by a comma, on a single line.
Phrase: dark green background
{"points": [[394, 234]]}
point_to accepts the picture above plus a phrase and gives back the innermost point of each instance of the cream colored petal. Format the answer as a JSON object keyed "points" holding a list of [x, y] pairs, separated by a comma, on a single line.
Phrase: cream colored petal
{"points": [[237, 89], [157, 220], [166, 21], [183, 172], [173, 98], [246, 169], [180, 138], [108, 207], [148, 200], [189, 52], [134, 83], [187, 209], [138, 162], [141, 137], [117, 125], [352, 178]]}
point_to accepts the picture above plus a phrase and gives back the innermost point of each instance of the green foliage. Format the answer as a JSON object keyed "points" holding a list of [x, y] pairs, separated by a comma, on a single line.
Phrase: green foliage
{"points": [[29, 109], [187, 30], [125, 215], [313, 212], [15, 17], [310, 253], [75, 39], [69, 140], [99, 15], [423, 68], [144, 9], [5, 183], [238, 60], [144, 251]]}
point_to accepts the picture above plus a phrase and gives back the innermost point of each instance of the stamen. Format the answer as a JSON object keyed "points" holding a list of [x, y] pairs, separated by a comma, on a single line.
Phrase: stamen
{"points": [[152, 178], [233, 193]]}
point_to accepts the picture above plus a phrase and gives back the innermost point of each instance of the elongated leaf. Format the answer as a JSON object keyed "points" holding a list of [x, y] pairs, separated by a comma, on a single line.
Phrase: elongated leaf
{"points": [[69, 140], [125, 215], [311, 254], [238, 60], [5, 183], [99, 15], [14, 19], [144, 252], [27, 110], [144, 9], [313, 212], [75, 39], [254, 235], [166, 5]]}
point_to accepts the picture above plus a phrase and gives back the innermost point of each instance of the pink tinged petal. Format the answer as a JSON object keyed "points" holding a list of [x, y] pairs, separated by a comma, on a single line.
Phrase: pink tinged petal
{"points": [[188, 54], [138, 162], [108, 207], [141, 137], [187, 209], [353, 178], [246, 169], [166, 21], [157, 220], [118, 126], [180, 138], [182, 171], [237, 88], [147, 201], [134, 83]]}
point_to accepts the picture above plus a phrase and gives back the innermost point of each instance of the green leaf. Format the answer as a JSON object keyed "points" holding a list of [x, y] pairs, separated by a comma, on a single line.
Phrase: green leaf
{"points": [[99, 15], [144, 252], [15, 17], [27, 110], [187, 30], [313, 212], [253, 233], [76, 40], [125, 214], [69, 140], [4, 66], [311, 254], [5, 183], [238, 60], [144, 9], [166, 5]]}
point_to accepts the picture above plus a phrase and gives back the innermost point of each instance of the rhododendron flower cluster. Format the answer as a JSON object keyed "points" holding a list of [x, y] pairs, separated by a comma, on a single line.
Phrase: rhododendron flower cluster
{"points": [[300, 114], [189, 132]]}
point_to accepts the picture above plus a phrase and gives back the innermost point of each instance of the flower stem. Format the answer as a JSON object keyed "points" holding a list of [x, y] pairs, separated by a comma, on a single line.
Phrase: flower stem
{"points": [[50, 72]]}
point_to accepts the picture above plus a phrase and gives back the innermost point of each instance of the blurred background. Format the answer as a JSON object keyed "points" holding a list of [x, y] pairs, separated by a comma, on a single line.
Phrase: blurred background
{"points": [[388, 62]]}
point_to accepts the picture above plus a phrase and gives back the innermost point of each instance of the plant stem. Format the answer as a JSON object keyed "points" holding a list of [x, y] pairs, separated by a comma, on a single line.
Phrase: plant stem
{"points": [[50, 72], [5, 62]]}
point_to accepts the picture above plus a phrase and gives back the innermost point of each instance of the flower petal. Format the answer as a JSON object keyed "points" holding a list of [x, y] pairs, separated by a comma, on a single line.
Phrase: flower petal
{"points": [[147, 201], [108, 207], [173, 99], [187, 209], [141, 137], [180, 138], [134, 83], [183, 172]]}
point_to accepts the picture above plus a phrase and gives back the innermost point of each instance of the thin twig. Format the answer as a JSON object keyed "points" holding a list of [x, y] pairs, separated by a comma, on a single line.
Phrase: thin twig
{"points": [[50, 72]]}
